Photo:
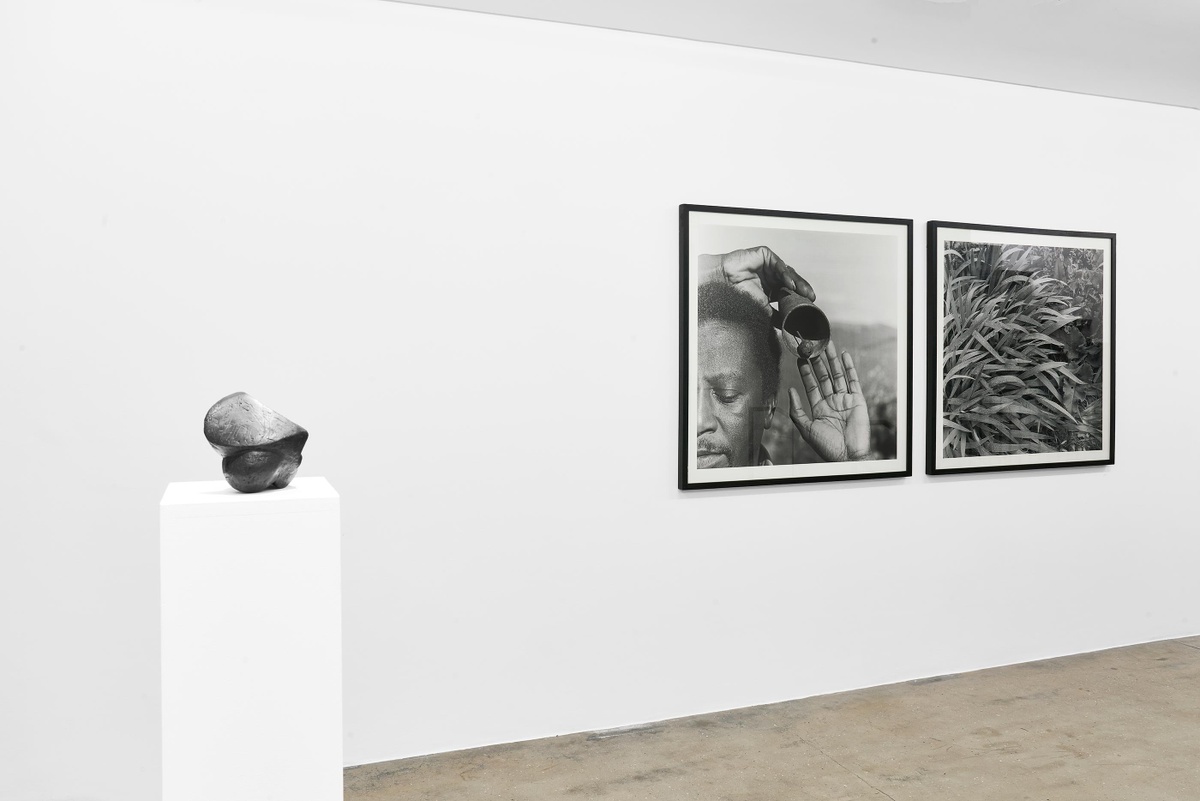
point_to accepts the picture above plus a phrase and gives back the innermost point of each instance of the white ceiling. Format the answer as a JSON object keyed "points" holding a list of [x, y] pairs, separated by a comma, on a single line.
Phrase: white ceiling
{"points": [[1135, 49]]}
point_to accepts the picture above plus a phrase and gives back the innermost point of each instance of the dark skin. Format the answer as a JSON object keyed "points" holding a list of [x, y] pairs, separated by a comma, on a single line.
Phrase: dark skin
{"points": [[730, 389], [839, 427], [756, 271]]}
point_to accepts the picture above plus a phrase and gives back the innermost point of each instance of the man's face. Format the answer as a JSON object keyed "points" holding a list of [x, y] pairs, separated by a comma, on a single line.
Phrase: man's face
{"points": [[727, 396]]}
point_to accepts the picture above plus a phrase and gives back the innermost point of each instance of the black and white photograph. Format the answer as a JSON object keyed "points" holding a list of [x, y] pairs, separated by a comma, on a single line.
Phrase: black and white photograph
{"points": [[1021, 324], [795, 347]]}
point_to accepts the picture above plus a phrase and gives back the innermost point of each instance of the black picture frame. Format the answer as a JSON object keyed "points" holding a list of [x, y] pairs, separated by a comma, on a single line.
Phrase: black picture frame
{"points": [[1021, 348], [861, 269]]}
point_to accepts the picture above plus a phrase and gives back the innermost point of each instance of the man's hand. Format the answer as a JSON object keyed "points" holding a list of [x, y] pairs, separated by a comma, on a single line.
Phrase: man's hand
{"points": [[756, 271], [839, 429]]}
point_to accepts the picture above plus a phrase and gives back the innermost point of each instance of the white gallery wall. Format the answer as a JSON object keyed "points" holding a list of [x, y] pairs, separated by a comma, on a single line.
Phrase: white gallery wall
{"points": [[446, 243]]}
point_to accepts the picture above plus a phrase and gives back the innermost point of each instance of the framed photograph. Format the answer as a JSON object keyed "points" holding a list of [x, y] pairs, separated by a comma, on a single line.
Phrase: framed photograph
{"points": [[1021, 324], [795, 347]]}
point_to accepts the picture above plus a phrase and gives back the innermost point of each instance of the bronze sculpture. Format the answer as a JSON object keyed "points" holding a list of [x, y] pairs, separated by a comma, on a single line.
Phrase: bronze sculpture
{"points": [[261, 447]]}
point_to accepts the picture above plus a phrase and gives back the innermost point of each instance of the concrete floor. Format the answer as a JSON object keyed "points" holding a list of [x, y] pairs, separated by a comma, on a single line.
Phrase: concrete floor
{"points": [[1121, 724]]}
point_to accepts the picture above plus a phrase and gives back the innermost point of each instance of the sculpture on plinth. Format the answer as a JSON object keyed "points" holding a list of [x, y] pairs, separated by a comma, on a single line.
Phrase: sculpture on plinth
{"points": [[260, 447]]}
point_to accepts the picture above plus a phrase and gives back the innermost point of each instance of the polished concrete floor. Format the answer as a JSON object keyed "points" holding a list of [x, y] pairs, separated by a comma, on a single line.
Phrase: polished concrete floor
{"points": [[1115, 725]]}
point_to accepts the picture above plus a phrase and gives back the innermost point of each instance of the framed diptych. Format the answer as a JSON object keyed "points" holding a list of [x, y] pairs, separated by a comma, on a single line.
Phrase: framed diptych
{"points": [[1021, 326], [795, 347]]}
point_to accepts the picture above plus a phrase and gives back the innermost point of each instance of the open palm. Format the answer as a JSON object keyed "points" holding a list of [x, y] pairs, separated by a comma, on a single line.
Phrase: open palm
{"points": [[839, 429]]}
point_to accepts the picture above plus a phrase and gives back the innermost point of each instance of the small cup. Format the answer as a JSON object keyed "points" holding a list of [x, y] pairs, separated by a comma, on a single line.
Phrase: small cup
{"points": [[804, 328]]}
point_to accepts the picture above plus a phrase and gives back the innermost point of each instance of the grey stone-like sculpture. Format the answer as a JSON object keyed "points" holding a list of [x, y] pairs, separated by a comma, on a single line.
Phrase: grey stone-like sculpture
{"points": [[261, 447]]}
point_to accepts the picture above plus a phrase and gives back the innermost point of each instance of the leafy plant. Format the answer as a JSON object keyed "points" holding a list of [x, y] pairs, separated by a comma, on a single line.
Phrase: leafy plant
{"points": [[1013, 351]]}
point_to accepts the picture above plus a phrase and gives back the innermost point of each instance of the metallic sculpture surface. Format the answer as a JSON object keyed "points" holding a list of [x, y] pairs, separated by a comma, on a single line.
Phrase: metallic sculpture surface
{"points": [[261, 447]]}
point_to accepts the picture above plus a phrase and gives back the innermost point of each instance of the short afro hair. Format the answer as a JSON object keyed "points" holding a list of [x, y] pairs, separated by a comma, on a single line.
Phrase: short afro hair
{"points": [[720, 302]]}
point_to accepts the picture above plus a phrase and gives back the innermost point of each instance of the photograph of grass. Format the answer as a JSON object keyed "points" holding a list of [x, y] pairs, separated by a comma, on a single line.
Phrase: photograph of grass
{"points": [[1020, 348]]}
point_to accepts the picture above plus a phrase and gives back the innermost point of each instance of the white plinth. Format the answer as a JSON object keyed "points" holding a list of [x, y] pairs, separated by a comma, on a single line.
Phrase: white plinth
{"points": [[251, 643]]}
